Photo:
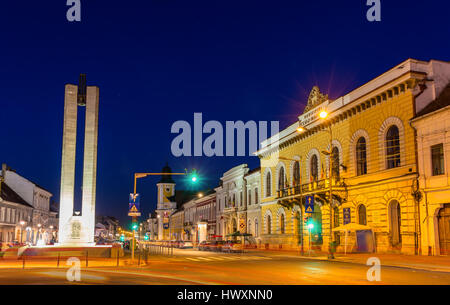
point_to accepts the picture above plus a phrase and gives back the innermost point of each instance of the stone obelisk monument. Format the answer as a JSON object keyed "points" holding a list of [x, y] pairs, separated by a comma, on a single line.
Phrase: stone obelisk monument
{"points": [[76, 228]]}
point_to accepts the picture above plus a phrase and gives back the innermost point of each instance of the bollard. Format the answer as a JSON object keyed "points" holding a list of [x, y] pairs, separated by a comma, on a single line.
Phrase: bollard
{"points": [[57, 264]]}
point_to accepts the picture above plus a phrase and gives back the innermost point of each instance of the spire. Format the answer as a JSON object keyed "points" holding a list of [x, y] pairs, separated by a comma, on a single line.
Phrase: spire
{"points": [[166, 178]]}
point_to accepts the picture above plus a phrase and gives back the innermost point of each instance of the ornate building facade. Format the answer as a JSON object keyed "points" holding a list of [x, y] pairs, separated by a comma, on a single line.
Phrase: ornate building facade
{"points": [[362, 141]]}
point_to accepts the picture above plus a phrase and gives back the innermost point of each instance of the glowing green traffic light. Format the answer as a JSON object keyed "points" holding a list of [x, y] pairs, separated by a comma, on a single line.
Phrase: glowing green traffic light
{"points": [[145, 237], [310, 226], [134, 226], [122, 237], [193, 176]]}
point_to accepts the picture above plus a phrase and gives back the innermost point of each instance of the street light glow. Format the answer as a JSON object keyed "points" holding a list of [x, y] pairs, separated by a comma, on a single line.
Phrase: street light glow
{"points": [[310, 226], [323, 114], [301, 129]]}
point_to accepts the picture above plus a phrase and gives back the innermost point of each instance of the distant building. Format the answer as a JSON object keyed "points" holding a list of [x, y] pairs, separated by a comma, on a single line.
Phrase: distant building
{"points": [[106, 227], [15, 212], [432, 125], [253, 181], [42, 224]]}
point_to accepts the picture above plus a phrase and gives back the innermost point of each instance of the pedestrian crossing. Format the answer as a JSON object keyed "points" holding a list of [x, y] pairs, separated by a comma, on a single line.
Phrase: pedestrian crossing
{"points": [[221, 258]]}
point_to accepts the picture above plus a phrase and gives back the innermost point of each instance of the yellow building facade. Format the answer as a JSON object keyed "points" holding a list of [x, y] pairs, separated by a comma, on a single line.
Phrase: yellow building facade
{"points": [[373, 167]]}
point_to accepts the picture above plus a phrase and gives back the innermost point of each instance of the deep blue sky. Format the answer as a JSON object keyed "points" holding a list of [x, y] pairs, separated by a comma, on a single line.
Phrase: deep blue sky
{"points": [[160, 61]]}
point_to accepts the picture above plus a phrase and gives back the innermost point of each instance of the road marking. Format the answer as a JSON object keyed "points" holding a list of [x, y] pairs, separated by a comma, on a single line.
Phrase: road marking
{"points": [[192, 259], [203, 258], [217, 258], [152, 274]]}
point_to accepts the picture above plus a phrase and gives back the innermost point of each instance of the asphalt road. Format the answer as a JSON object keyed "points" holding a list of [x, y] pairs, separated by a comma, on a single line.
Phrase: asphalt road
{"points": [[190, 267]]}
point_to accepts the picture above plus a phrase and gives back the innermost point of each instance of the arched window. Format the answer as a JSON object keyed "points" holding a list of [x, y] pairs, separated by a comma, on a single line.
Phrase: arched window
{"points": [[269, 225], [256, 195], [268, 185], [282, 224], [362, 215], [249, 198], [395, 221], [314, 168], [249, 227], [256, 227], [361, 157], [281, 179], [335, 162], [296, 173], [336, 217], [393, 147]]}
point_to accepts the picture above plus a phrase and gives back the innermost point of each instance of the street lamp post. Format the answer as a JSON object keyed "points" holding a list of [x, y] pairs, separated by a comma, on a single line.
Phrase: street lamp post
{"points": [[134, 218], [143, 175]]}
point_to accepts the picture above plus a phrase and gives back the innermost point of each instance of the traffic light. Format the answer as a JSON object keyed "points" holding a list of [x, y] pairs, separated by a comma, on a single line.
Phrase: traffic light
{"points": [[122, 237], [146, 237], [193, 176], [134, 226], [309, 222]]}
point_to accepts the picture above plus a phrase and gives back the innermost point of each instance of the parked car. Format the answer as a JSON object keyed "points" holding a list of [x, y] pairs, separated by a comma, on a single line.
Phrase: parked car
{"points": [[232, 246], [203, 246], [186, 245]]}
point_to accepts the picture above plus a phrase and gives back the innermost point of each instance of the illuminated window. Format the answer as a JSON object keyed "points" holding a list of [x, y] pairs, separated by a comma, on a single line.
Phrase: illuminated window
{"points": [[296, 173], [437, 159], [269, 225], [393, 147], [361, 157], [282, 224], [335, 162], [281, 179], [268, 185], [362, 215], [314, 168], [336, 217]]}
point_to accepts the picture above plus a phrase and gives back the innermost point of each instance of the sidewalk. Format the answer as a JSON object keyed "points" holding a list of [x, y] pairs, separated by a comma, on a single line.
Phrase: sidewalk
{"points": [[418, 262]]}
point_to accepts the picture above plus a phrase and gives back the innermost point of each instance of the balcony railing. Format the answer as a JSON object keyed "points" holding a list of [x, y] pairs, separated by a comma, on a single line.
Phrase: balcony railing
{"points": [[319, 186]]}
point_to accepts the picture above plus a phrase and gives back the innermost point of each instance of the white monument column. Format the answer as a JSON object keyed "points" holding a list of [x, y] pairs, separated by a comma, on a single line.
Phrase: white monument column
{"points": [[68, 163], [77, 229], [90, 164]]}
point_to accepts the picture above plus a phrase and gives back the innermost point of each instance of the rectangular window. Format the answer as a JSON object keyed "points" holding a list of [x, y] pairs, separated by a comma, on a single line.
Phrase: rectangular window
{"points": [[437, 159]]}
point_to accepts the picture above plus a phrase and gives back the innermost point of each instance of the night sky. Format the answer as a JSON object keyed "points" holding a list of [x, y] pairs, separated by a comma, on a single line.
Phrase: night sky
{"points": [[157, 62]]}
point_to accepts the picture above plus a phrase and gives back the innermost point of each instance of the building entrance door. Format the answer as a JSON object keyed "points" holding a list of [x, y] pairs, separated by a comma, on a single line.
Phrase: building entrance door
{"points": [[444, 229]]}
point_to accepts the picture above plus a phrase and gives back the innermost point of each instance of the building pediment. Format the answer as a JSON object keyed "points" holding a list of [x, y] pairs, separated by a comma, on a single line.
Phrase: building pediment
{"points": [[315, 99]]}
